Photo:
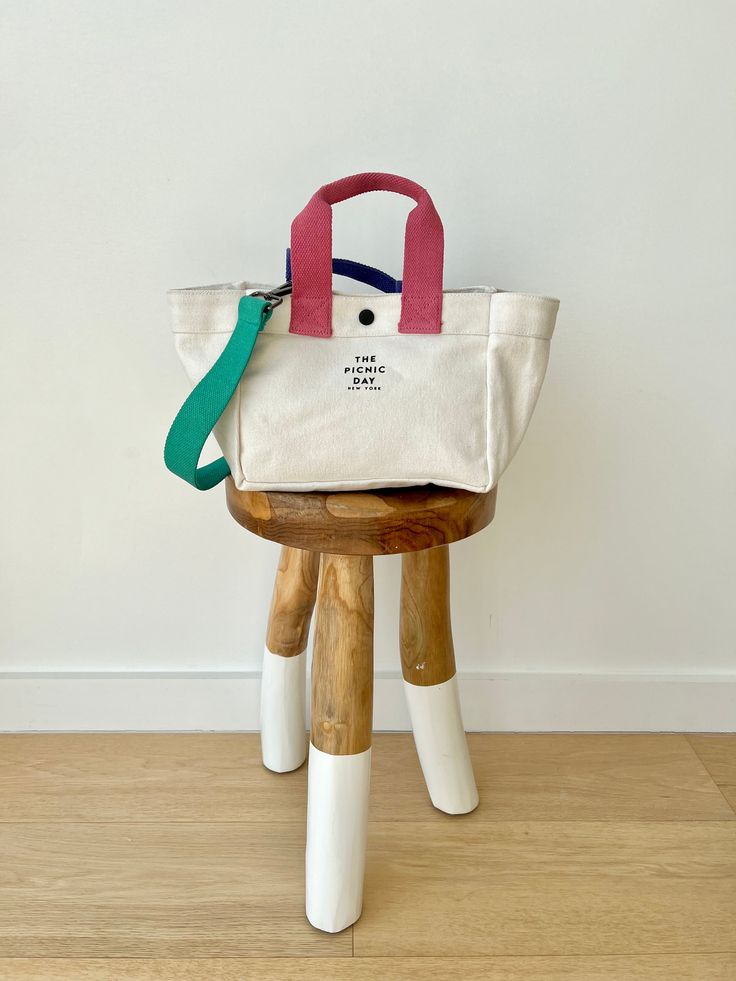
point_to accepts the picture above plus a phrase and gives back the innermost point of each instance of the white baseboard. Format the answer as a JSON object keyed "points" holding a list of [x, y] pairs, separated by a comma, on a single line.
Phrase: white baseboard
{"points": [[512, 702]]}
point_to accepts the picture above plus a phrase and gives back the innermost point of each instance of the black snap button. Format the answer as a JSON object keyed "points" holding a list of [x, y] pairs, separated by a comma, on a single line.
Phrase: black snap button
{"points": [[366, 317]]}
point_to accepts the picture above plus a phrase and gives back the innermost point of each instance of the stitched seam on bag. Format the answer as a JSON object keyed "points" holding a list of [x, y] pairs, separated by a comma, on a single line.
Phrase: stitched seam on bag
{"points": [[420, 315], [511, 333], [367, 336], [486, 375], [189, 294], [432, 478], [308, 307], [308, 332], [413, 329], [241, 460]]}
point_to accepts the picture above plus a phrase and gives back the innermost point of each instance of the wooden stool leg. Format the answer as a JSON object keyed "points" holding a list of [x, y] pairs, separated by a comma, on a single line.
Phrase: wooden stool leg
{"points": [[430, 682], [340, 750], [283, 725]]}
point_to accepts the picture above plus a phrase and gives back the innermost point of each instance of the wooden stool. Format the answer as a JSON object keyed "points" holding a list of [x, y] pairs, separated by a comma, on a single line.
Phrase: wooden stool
{"points": [[328, 542]]}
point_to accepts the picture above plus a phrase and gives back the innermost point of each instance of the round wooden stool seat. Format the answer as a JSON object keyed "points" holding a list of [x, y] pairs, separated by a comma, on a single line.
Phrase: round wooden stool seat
{"points": [[375, 522]]}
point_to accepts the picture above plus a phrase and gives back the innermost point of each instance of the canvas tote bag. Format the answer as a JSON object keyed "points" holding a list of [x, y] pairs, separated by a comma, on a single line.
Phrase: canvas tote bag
{"points": [[309, 389]]}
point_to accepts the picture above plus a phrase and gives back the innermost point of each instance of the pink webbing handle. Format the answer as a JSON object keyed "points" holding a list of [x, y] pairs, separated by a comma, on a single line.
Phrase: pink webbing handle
{"points": [[311, 257]]}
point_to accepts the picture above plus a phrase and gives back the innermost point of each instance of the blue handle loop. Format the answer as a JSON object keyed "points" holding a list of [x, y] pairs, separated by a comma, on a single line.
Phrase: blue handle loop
{"points": [[358, 271]]}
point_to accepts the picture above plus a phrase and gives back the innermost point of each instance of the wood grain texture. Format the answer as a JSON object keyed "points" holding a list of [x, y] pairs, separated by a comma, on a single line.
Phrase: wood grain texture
{"points": [[645, 967], [543, 888], [294, 593], [558, 777], [380, 522], [167, 777], [591, 854], [718, 755], [425, 631], [218, 777], [139, 889], [342, 663]]}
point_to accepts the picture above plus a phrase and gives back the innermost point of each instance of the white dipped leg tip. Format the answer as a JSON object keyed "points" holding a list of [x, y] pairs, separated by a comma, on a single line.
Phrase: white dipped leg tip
{"points": [[283, 728], [337, 829], [441, 745]]}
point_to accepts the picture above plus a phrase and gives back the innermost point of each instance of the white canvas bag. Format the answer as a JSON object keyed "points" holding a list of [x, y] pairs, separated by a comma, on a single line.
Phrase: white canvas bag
{"points": [[328, 391]]}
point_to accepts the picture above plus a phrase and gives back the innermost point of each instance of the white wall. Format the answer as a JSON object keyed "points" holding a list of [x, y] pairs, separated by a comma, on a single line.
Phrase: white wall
{"points": [[583, 150]]}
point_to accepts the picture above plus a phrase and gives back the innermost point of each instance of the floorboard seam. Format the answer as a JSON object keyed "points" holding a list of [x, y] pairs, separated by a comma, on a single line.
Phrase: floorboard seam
{"points": [[700, 760], [581, 957]]}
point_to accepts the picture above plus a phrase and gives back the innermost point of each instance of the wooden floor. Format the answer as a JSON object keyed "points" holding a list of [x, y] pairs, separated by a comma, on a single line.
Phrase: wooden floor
{"points": [[590, 858]]}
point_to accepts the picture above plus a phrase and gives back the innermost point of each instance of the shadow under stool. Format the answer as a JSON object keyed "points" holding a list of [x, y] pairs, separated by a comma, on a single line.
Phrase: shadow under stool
{"points": [[328, 542]]}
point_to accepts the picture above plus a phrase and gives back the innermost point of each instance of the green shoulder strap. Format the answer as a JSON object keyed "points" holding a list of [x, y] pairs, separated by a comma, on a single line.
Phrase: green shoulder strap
{"points": [[197, 417]]}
